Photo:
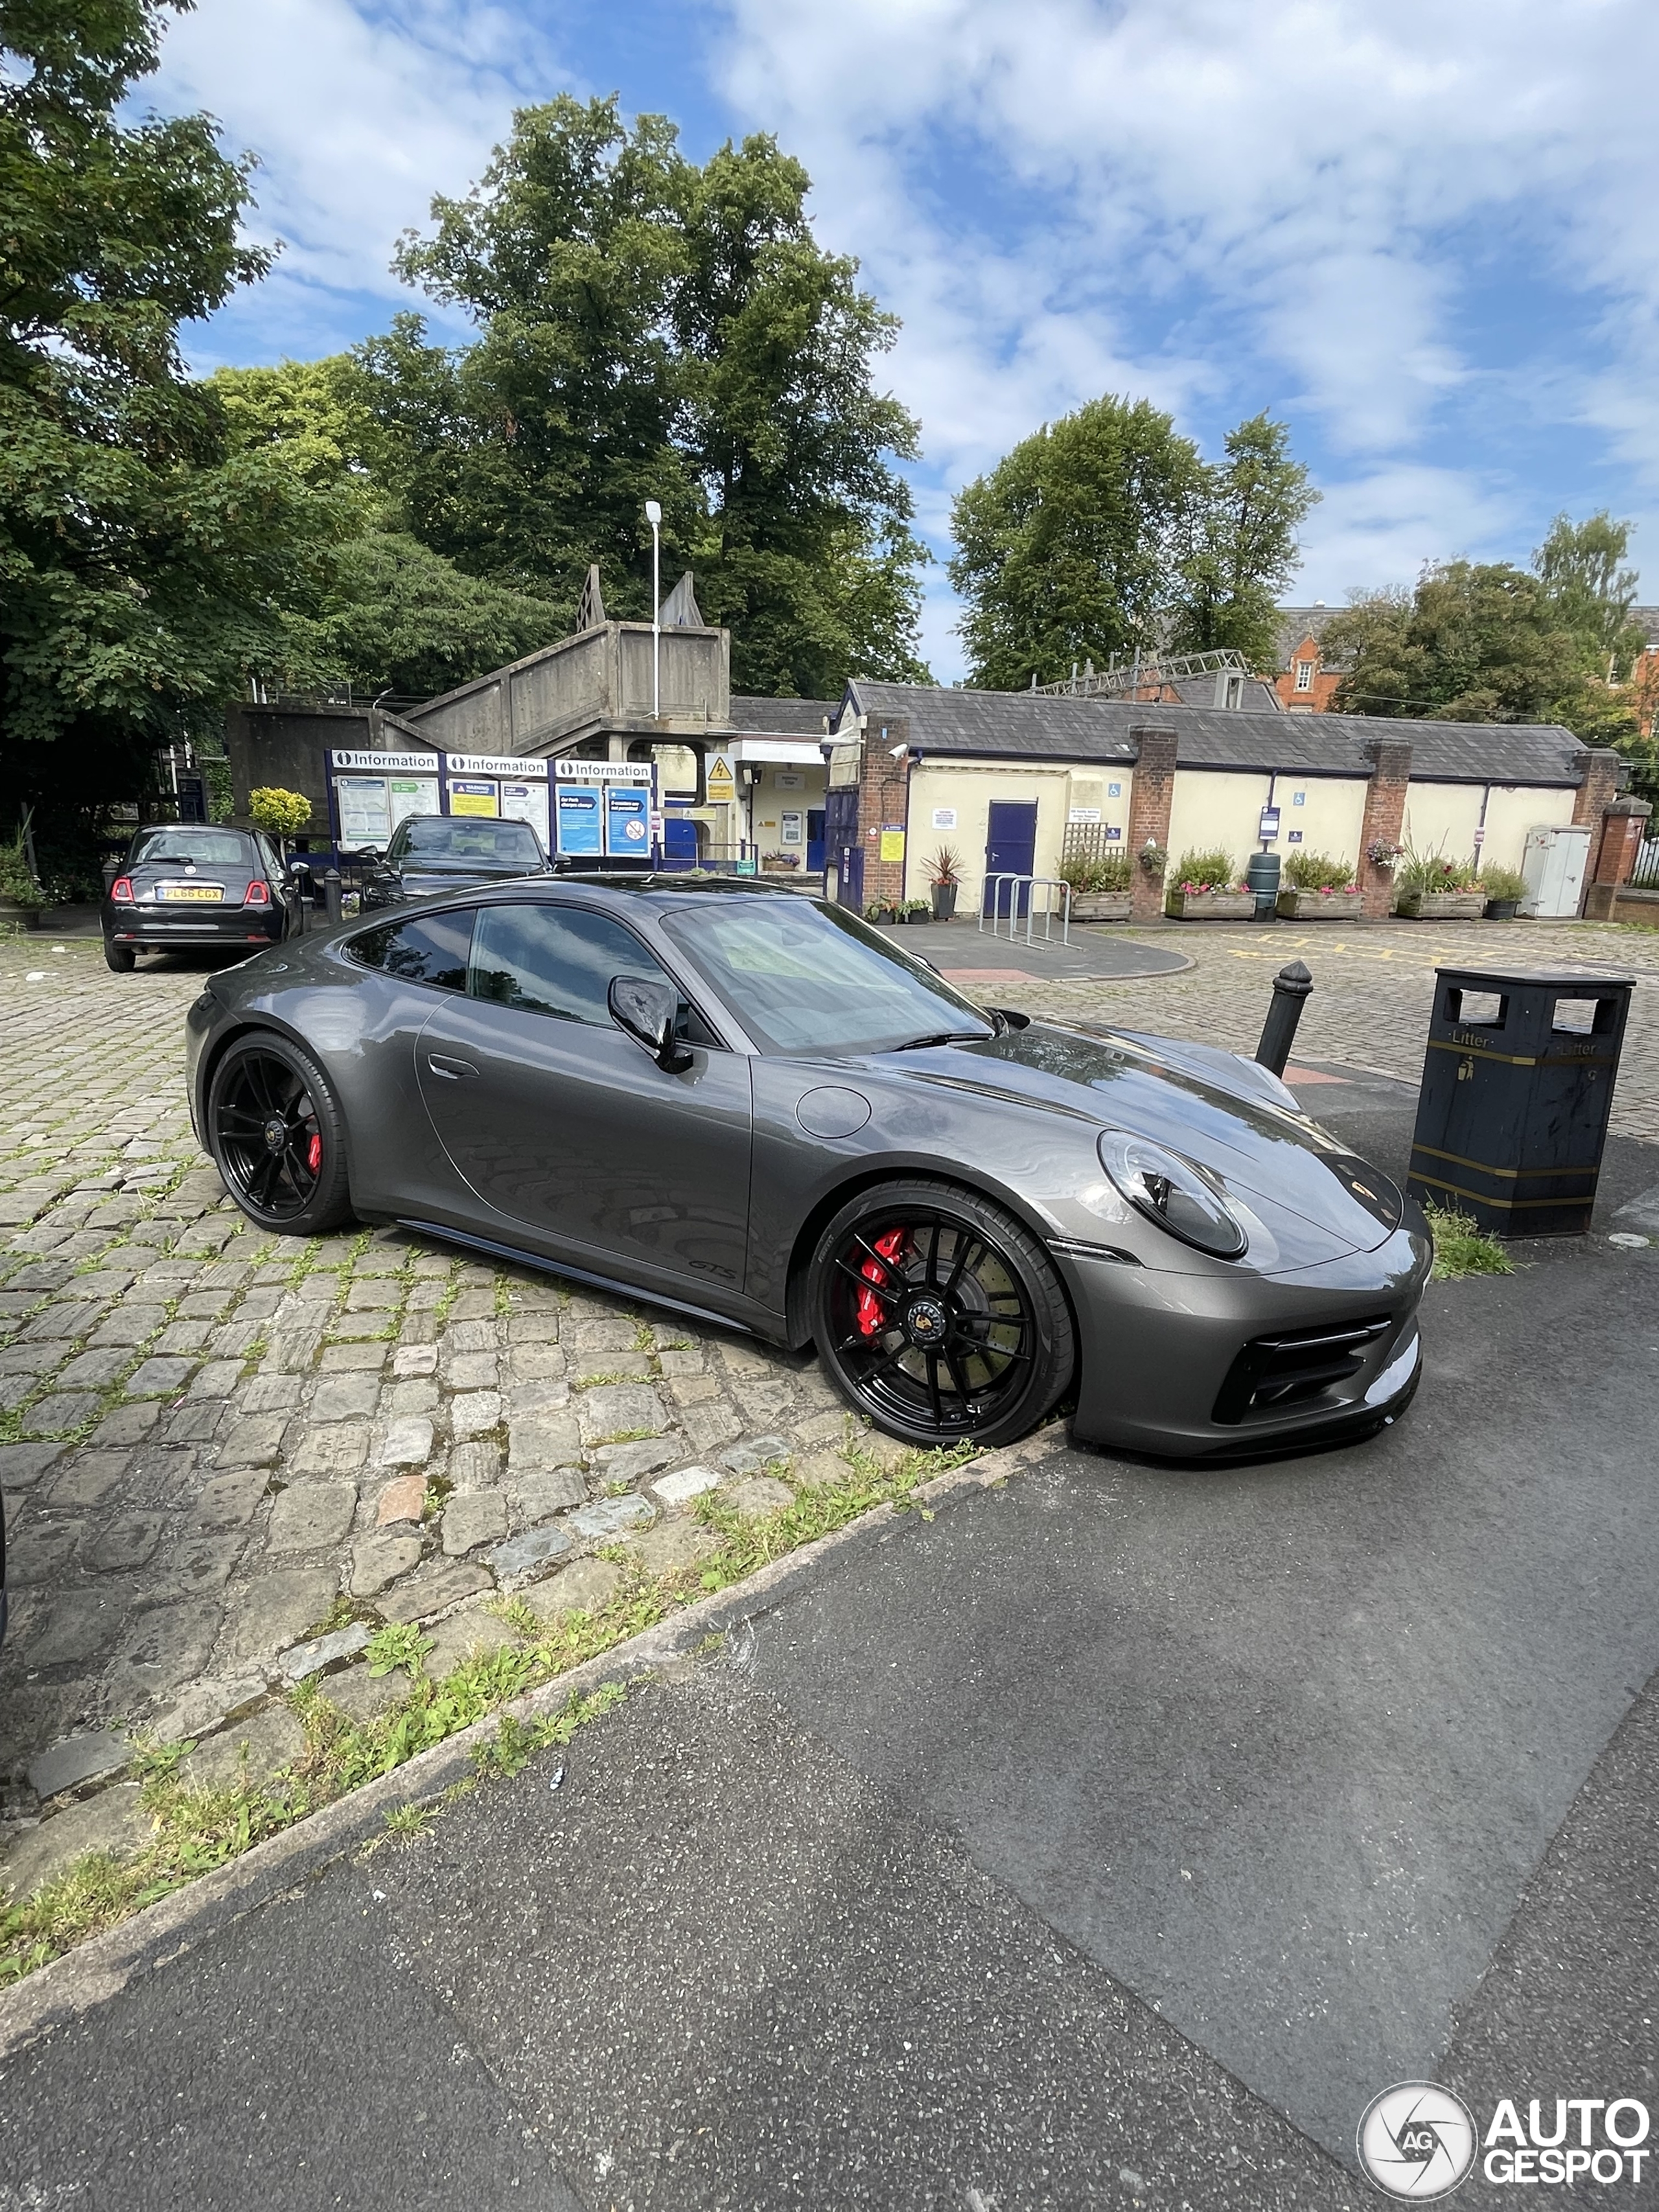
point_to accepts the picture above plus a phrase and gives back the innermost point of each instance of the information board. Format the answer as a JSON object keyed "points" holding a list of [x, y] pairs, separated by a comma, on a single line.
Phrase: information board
{"points": [[628, 820], [578, 818]]}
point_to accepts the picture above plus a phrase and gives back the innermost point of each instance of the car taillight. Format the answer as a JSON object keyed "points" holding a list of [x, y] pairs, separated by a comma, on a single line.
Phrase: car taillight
{"points": [[121, 891], [258, 894]]}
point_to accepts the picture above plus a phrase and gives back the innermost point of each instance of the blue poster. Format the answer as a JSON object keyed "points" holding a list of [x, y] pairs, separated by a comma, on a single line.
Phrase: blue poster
{"points": [[628, 820], [578, 820]]}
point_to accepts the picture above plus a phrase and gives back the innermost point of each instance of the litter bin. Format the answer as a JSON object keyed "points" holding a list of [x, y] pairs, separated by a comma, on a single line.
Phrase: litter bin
{"points": [[1517, 1082], [1262, 877]]}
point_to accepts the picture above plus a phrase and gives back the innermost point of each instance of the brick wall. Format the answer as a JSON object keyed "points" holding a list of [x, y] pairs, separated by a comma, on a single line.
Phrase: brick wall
{"points": [[1385, 813], [884, 798]]}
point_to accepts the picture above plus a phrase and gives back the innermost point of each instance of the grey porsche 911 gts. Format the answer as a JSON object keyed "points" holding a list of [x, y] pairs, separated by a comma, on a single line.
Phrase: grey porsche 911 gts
{"points": [[746, 1105]]}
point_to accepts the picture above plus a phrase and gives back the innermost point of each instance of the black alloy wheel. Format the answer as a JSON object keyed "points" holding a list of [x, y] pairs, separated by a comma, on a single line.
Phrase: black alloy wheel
{"points": [[939, 1317], [278, 1138]]}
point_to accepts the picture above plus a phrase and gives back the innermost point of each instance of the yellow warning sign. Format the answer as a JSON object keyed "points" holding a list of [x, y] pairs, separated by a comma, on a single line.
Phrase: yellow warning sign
{"points": [[892, 845], [721, 782]]}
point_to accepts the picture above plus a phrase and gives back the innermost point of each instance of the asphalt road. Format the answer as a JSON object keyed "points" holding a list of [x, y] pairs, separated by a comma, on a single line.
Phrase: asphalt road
{"points": [[1111, 1839]]}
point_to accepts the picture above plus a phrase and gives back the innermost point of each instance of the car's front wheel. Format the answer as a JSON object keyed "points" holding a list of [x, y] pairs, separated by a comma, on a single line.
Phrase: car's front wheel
{"points": [[278, 1136], [938, 1317]]}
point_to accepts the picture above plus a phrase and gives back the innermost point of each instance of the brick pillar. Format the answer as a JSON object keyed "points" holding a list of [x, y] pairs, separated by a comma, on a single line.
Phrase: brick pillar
{"points": [[1623, 826], [1385, 818], [884, 798], [1150, 801], [1596, 793]]}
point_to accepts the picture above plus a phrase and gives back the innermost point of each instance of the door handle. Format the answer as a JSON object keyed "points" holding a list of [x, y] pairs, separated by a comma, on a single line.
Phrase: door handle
{"points": [[441, 1064]]}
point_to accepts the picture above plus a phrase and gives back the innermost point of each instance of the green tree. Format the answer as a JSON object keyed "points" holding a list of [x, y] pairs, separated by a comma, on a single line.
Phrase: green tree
{"points": [[144, 565], [1580, 567], [1069, 548], [1240, 552], [652, 330], [390, 614]]}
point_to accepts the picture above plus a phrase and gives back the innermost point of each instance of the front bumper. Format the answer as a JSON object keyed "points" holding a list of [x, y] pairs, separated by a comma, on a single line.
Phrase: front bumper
{"points": [[1161, 1355]]}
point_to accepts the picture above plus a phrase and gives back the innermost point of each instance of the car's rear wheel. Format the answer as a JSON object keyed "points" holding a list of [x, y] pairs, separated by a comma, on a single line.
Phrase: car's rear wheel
{"points": [[119, 958], [278, 1137], [938, 1317]]}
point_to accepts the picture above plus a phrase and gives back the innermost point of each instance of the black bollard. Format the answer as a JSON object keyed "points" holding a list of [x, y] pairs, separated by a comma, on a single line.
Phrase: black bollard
{"points": [[332, 896], [1291, 987]]}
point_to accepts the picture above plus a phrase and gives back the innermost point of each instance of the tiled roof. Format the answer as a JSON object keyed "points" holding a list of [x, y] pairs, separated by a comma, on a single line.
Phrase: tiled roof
{"points": [[782, 718], [1021, 725]]}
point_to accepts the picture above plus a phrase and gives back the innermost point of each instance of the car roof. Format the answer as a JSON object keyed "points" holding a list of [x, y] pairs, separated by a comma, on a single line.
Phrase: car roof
{"points": [[664, 888]]}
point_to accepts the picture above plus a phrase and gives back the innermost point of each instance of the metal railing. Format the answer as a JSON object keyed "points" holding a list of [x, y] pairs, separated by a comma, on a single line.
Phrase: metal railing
{"points": [[1048, 883], [1644, 876]]}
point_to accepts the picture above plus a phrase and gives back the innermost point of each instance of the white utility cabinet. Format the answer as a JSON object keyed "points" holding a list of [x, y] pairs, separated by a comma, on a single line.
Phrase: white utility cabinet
{"points": [[1553, 865]]}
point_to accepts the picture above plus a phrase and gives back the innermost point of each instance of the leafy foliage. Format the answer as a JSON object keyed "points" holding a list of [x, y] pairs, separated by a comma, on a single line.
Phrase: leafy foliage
{"points": [[1461, 1247], [650, 329], [1317, 871], [144, 564], [284, 813], [1204, 871], [1106, 534]]}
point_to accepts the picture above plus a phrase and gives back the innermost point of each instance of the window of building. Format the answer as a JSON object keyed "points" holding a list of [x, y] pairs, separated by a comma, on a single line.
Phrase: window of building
{"points": [[1304, 670]]}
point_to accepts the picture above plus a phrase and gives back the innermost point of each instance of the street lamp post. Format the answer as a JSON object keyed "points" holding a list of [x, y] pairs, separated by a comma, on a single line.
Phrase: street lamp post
{"points": [[654, 516]]}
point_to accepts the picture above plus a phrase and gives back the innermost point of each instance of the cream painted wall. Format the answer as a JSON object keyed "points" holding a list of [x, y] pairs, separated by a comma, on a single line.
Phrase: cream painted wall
{"points": [[1216, 810], [968, 790], [1441, 818], [769, 804], [1511, 812], [1330, 817]]}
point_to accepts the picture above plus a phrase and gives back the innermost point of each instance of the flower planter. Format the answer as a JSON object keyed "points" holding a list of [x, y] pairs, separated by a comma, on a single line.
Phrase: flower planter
{"points": [[945, 901], [1210, 906], [1502, 909], [1103, 906], [18, 917], [1441, 906], [1321, 905]]}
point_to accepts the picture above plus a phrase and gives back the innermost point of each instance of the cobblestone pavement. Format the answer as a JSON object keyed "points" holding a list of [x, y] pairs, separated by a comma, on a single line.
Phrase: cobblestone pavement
{"points": [[210, 1439]]}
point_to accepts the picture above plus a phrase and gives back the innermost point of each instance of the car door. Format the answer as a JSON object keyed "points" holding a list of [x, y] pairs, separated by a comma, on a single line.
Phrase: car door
{"points": [[557, 1119]]}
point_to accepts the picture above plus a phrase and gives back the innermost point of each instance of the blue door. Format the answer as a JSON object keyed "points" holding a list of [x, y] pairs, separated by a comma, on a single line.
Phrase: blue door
{"points": [[842, 850], [1010, 850], [815, 840]]}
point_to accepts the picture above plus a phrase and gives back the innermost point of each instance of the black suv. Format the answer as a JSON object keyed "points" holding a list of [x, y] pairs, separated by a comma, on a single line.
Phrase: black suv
{"points": [[191, 883], [442, 852]]}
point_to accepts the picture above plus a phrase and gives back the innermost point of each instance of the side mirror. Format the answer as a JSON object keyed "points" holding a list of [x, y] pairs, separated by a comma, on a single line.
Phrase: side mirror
{"points": [[645, 1010]]}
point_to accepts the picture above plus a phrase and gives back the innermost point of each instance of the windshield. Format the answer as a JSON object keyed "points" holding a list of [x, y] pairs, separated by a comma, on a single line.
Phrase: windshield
{"points": [[216, 848], [457, 837], [807, 978]]}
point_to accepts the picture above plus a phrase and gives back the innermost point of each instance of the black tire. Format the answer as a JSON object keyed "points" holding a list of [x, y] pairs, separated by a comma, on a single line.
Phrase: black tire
{"points": [[278, 1137], [938, 1317], [119, 958]]}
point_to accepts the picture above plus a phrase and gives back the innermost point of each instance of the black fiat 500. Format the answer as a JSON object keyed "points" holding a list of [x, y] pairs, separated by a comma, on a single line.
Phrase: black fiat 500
{"points": [[190, 883]]}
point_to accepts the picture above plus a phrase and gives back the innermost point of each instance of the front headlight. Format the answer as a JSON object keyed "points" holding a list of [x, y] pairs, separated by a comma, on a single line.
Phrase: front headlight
{"points": [[1174, 1192]]}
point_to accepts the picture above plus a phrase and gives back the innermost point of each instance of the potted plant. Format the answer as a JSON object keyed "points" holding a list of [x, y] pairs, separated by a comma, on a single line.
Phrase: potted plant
{"points": [[20, 897], [879, 910], [1205, 887], [779, 863], [918, 909], [1100, 887], [1433, 888], [1506, 888], [944, 874], [1315, 887]]}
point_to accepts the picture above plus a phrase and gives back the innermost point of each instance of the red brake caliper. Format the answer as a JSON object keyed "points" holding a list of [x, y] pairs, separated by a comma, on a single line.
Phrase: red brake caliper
{"points": [[871, 1320], [314, 1153]]}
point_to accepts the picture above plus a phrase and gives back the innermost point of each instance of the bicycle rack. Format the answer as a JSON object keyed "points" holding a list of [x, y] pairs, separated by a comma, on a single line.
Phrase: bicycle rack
{"points": [[994, 885]]}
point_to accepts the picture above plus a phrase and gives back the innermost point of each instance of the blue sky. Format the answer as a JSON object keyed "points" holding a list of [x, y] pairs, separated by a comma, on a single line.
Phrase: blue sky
{"points": [[1422, 235]]}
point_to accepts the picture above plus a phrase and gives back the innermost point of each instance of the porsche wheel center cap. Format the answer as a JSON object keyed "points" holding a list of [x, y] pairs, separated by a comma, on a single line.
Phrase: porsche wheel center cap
{"points": [[924, 1323], [275, 1134]]}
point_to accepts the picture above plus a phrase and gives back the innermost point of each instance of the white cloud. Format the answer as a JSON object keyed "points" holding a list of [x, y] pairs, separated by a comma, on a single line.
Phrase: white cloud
{"points": [[358, 117]]}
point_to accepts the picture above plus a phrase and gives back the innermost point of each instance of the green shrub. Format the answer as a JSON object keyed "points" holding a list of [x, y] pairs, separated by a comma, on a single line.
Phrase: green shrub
{"points": [[1317, 871], [1503, 883], [1203, 871], [1434, 871], [280, 813], [1102, 872], [17, 886]]}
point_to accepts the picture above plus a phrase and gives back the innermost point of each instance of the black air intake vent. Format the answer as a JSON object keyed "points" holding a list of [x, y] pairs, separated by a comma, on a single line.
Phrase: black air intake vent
{"points": [[1276, 1372]]}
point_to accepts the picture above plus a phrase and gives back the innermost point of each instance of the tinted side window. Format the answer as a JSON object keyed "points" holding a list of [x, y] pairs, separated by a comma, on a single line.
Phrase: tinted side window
{"points": [[557, 960], [430, 950]]}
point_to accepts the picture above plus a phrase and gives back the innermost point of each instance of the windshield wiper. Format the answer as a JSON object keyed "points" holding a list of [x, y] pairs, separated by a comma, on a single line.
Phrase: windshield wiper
{"points": [[945, 1037]]}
